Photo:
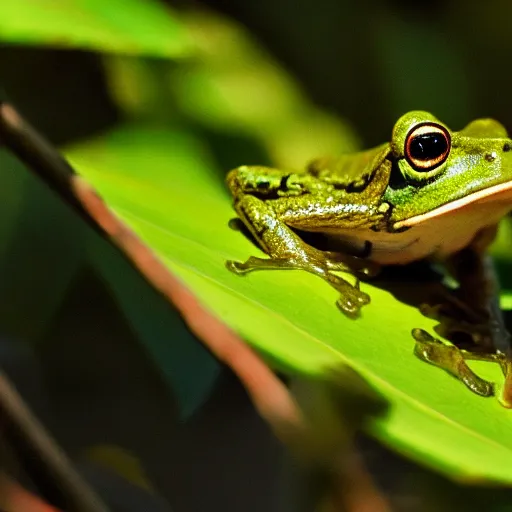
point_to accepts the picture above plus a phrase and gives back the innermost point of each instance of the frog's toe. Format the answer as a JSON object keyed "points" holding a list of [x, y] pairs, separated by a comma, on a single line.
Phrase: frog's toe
{"points": [[235, 224], [254, 263], [237, 267], [351, 303], [348, 308], [363, 298]]}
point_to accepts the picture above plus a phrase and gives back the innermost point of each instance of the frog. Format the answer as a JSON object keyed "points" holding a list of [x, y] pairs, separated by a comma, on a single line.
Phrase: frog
{"points": [[430, 193]]}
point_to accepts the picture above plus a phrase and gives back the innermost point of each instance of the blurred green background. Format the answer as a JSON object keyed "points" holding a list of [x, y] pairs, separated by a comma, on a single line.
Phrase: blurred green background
{"points": [[367, 62]]}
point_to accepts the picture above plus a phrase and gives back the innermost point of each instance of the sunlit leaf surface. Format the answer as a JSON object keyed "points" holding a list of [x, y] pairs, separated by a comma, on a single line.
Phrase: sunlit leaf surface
{"points": [[162, 183]]}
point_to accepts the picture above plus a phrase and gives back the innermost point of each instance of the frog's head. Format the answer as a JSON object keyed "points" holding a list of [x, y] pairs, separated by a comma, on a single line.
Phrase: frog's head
{"points": [[437, 171]]}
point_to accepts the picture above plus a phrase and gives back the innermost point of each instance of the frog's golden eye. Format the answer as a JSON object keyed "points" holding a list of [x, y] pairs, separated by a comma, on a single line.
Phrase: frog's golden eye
{"points": [[427, 146]]}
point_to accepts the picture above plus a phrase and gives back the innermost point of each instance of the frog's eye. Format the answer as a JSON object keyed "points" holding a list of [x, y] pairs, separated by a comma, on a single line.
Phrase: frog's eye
{"points": [[427, 146]]}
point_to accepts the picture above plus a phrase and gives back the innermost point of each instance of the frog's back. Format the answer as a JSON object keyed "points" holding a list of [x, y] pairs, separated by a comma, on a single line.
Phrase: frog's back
{"points": [[349, 169]]}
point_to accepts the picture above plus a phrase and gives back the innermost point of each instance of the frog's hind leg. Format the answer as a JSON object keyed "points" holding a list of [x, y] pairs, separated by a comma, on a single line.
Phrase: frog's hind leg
{"points": [[288, 251], [453, 360]]}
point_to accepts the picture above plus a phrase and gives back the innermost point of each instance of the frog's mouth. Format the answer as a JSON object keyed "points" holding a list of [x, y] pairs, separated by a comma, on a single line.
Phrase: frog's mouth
{"points": [[501, 193]]}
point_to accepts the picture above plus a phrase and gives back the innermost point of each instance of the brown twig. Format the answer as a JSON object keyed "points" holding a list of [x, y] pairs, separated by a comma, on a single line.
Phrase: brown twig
{"points": [[271, 398]]}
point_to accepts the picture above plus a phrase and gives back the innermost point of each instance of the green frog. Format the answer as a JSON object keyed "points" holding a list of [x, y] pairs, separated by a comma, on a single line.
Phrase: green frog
{"points": [[430, 193]]}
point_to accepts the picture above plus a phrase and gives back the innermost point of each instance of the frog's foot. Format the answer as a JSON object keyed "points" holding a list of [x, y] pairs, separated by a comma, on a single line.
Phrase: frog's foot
{"points": [[351, 299], [453, 360]]}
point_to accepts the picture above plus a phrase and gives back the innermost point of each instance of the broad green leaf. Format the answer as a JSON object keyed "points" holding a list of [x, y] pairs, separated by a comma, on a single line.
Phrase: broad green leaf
{"points": [[163, 184], [121, 26]]}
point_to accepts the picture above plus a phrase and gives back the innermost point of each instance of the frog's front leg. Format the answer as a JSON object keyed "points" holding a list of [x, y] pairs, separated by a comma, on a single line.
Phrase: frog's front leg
{"points": [[288, 251]]}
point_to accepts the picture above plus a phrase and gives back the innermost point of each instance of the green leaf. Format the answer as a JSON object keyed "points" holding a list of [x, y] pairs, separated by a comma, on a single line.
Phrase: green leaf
{"points": [[120, 26], [236, 86], [163, 184]]}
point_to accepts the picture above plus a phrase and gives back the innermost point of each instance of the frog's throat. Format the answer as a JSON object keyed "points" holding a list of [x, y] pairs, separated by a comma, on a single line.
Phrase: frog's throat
{"points": [[456, 205]]}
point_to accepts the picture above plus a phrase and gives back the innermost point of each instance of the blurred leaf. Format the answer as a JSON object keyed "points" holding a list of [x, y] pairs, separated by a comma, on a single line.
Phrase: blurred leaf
{"points": [[161, 183], [501, 246], [501, 251], [232, 86], [140, 88], [120, 26]]}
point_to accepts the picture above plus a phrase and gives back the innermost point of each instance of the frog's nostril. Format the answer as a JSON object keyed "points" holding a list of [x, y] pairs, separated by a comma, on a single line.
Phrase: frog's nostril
{"points": [[507, 146]]}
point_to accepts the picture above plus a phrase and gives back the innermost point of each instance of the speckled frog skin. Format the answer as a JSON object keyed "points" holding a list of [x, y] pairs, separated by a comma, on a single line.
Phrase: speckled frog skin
{"points": [[429, 193]]}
